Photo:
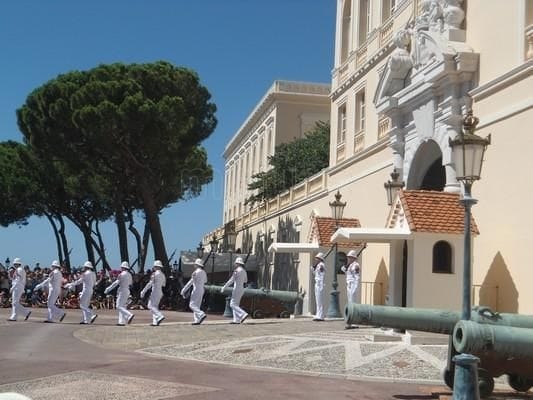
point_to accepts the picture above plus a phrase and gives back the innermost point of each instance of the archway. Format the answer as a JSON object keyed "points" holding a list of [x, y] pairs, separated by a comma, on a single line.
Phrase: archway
{"points": [[426, 171]]}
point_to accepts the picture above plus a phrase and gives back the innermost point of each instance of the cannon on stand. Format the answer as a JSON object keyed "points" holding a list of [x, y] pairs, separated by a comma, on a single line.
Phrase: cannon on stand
{"points": [[287, 300], [495, 338]]}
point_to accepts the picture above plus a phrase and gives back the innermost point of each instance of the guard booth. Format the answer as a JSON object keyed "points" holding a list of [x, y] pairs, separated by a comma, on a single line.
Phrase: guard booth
{"points": [[424, 230]]}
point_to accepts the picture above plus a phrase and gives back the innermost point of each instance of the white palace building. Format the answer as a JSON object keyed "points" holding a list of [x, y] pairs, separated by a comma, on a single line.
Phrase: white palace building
{"points": [[405, 74]]}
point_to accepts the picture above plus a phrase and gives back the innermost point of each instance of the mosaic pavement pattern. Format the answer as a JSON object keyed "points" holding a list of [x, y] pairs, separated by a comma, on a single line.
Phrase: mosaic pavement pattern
{"points": [[84, 385], [348, 354]]}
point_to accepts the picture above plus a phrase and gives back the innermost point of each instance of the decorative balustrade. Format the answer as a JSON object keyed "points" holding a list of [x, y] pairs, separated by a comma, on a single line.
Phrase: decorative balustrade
{"points": [[383, 127], [385, 32], [529, 41], [360, 57], [359, 142]]}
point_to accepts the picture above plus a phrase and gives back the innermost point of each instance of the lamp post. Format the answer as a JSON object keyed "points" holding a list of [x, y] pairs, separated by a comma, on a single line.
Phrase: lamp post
{"points": [[467, 154], [7, 262], [337, 209], [392, 186], [200, 250], [213, 243], [231, 238]]}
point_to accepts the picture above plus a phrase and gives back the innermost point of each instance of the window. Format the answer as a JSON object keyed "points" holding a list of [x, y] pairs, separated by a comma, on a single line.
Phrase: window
{"points": [[442, 258], [360, 111], [387, 9], [341, 128], [260, 155], [269, 143], [248, 174], [346, 25], [364, 20], [253, 160]]}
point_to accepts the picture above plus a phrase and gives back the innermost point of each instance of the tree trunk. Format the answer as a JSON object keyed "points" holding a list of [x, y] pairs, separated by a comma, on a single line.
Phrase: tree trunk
{"points": [[101, 247], [88, 243], [152, 216], [138, 240], [56, 234], [146, 239], [63, 236], [122, 234]]}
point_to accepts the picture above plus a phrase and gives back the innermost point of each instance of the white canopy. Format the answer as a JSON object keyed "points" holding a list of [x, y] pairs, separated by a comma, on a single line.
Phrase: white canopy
{"points": [[370, 235], [278, 247]]}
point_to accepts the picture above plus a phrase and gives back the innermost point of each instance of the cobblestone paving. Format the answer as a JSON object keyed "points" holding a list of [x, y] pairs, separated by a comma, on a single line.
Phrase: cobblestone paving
{"points": [[83, 385]]}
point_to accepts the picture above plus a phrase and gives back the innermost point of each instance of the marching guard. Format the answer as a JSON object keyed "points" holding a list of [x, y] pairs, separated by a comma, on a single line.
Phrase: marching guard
{"points": [[197, 281], [238, 279], [88, 280], [54, 282], [156, 284], [18, 284], [123, 281]]}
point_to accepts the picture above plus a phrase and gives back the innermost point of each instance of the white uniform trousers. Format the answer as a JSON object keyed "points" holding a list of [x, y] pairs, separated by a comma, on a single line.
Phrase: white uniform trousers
{"points": [[153, 306], [238, 313], [85, 302], [54, 312], [319, 298], [195, 303], [17, 308], [121, 304]]}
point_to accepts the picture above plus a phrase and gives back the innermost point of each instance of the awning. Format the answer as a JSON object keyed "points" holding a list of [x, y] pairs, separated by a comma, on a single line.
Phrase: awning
{"points": [[278, 247], [370, 235]]}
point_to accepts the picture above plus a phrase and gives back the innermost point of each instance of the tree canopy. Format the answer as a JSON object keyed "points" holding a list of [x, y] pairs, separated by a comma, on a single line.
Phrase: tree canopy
{"points": [[291, 163], [127, 134]]}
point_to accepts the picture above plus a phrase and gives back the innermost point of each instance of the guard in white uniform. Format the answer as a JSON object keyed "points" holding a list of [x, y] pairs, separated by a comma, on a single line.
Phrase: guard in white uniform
{"points": [[18, 283], [54, 282], [319, 272], [156, 283], [238, 279], [353, 273], [197, 281], [88, 280], [123, 281]]}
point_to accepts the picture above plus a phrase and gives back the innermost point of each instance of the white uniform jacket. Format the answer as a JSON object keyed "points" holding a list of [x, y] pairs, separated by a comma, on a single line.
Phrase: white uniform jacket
{"points": [[123, 281], [197, 281], [87, 279], [156, 283], [238, 279], [19, 279], [54, 281]]}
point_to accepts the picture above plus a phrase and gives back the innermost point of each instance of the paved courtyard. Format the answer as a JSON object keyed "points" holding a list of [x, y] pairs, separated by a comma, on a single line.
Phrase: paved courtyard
{"points": [[259, 359]]}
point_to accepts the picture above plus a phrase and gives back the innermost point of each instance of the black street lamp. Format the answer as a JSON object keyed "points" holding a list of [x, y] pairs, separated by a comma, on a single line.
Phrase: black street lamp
{"points": [[7, 262], [213, 243], [230, 236], [214, 247], [200, 250], [468, 150], [337, 209], [392, 186]]}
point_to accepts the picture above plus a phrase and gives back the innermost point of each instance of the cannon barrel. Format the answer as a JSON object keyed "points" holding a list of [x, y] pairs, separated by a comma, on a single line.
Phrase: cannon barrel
{"points": [[280, 295], [504, 341], [428, 320]]}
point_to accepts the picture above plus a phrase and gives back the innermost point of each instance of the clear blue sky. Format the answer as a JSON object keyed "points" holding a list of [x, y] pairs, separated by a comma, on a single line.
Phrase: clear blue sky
{"points": [[238, 47]]}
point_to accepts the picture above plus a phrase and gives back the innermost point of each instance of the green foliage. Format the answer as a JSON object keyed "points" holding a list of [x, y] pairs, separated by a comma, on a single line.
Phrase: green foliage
{"points": [[18, 189], [123, 136], [291, 163]]}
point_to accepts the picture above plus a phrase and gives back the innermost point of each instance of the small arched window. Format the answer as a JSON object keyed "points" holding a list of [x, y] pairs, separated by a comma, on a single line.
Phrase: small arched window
{"points": [[442, 258]]}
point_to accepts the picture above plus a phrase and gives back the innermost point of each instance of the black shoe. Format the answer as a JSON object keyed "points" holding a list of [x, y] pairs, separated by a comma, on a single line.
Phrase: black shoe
{"points": [[159, 320], [131, 318], [11, 320], [318, 319], [202, 319], [121, 324], [244, 319], [62, 317], [27, 316], [350, 327], [154, 325], [47, 321], [83, 323], [93, 318], [234, 323]]}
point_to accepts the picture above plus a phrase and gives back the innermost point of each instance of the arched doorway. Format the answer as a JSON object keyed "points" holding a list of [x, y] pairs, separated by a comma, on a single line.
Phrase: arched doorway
{"points": [[426, 171]]}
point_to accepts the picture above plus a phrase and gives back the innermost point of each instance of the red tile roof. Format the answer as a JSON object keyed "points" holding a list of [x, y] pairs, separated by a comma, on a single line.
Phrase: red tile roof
{"points": [[435, 212], [323, 228]]}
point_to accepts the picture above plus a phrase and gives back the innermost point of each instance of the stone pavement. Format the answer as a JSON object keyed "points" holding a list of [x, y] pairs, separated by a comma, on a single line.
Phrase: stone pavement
{"points": [[259, 359]]}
